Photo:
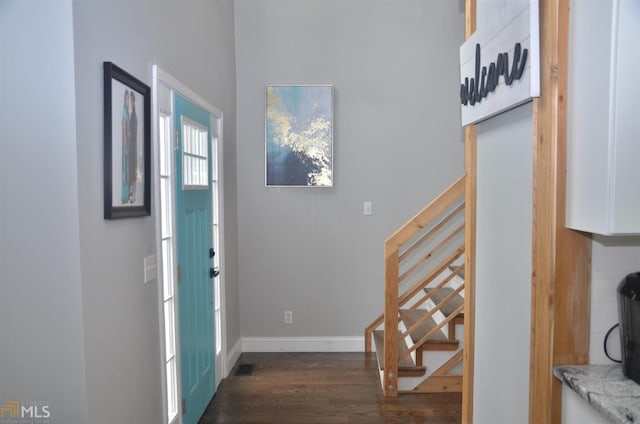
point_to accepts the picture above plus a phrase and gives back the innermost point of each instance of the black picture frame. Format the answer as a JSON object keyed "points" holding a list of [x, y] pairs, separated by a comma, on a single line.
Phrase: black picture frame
{"points": [[127, 145]]}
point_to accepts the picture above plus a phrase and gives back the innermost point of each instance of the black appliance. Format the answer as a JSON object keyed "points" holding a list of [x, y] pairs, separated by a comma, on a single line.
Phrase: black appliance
{"points": [[629, 318]]}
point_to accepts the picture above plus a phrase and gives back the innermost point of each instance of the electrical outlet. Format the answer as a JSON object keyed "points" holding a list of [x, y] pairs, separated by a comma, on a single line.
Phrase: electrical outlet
{"points": [[288, 317]]}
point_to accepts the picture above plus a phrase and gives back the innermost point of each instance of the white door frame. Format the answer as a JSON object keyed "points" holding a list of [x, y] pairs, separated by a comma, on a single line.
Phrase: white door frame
{"points": [[162, 78]]}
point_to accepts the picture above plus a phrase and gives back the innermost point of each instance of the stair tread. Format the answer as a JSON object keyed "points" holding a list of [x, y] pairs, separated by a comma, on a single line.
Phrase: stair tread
{"points": [[405, 363], [460, 273], [454, 303], [411, 317]]}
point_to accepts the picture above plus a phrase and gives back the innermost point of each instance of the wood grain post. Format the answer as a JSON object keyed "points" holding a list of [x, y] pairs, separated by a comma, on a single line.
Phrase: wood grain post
{"points": [[470, 246], [561, 258], [391, 321]]}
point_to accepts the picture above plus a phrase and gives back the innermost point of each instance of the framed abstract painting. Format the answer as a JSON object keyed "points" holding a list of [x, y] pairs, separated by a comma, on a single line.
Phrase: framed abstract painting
{"points": [[299, 136]]}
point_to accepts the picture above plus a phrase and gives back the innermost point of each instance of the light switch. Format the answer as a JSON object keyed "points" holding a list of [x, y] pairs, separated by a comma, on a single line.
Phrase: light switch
{"points": [[368, 208]]}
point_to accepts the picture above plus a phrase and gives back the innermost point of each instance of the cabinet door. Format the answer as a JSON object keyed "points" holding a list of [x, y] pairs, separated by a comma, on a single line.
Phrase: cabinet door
{"points": [[603, 125], [625, 120]]}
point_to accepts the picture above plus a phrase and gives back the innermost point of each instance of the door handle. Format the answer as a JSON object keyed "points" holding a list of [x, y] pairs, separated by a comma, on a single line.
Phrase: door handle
{"points": [[213, 272]]}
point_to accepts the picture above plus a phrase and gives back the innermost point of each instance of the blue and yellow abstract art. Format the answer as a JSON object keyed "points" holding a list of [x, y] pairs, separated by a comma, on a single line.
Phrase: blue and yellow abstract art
{"points": [[299, 136]]}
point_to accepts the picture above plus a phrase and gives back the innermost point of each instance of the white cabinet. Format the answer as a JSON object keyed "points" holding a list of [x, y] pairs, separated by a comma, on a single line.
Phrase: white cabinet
{"points": [[603, 117]]}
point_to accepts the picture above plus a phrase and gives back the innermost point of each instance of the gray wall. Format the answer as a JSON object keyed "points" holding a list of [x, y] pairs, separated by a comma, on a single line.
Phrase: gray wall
{"points": [[397, 143], [192, 40], [503, 267], [42, 352]]}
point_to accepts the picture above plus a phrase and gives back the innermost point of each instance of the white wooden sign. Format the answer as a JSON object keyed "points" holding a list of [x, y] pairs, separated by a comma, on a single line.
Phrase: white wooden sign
{"points": [[500, 62]]}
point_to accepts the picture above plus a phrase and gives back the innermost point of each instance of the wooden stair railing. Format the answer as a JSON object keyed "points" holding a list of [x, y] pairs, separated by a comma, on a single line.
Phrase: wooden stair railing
{"points": [[404, 250], [428, 315], [428, 295]]}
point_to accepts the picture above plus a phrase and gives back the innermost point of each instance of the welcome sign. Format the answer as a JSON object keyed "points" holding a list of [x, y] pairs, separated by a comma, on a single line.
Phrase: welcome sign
{"points": [[500, 62]]}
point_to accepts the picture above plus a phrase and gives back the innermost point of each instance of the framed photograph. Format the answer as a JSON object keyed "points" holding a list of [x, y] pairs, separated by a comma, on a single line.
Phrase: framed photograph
{"points": [[299, 135], [127, 145]]}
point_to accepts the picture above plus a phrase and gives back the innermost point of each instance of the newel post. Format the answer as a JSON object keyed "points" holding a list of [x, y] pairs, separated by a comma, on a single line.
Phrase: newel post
{"points": [[391, 320]]}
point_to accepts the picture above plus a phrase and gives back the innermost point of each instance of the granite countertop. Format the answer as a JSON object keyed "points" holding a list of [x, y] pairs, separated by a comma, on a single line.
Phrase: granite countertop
{"points": [[605, 388]]}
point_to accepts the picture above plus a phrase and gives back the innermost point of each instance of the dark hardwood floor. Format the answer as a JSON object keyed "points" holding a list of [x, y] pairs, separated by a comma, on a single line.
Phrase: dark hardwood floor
{"points": [[322, 388]]}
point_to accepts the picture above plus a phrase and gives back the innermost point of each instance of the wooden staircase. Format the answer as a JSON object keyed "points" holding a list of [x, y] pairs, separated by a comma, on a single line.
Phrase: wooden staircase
{"points": [[418, 339], [406, 365]]}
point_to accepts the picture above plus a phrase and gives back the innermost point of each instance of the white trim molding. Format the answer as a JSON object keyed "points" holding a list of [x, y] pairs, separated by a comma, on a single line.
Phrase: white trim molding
{"points": [[232, 357], [303, 344]]}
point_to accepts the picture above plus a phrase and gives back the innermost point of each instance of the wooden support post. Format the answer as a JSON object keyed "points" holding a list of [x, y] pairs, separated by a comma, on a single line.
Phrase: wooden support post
{"points": [[470, 246], [391, 321], [560, 257]]}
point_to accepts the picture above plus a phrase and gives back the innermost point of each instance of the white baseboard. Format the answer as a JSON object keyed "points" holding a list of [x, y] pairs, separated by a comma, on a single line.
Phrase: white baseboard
{"points": [[232, 357], [303, 344]]}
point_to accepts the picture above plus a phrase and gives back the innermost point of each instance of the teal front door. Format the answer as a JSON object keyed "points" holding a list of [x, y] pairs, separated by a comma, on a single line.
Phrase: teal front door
{"points": [[195, 257]]}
